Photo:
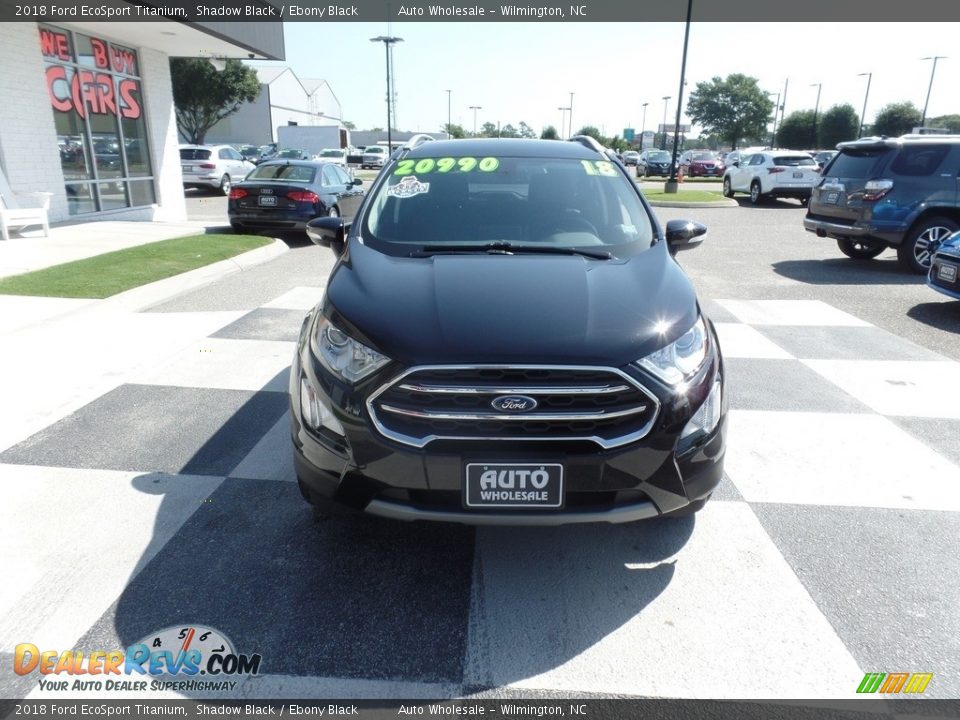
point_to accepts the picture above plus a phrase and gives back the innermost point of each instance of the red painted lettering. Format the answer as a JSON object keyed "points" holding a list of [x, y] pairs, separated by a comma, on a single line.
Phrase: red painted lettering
{"points": [[123, 61], [54, 45], [59, 93], [129, 104], [99, 53]]}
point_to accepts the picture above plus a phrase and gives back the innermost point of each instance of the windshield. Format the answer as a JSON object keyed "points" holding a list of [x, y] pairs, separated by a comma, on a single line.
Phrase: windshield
{"points": [[289, 154], [283, 173], [375, 151], [662, 156], [703, 156], [331, 153], [559, 203]]}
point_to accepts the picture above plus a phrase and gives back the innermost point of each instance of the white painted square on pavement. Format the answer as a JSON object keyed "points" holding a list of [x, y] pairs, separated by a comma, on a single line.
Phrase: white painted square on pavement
{"points": [[742, 341], [225, 364], [598, 608], [836, 459], [898, 387], [299, 298], [790, 312], [272, 457]]}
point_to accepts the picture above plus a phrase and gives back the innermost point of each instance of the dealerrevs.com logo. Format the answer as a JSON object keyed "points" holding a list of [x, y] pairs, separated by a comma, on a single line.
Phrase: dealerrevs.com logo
{"points": [[180, 658]]}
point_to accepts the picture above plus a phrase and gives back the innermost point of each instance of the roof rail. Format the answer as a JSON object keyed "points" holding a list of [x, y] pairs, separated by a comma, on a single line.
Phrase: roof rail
{"points": [[417, 141], [589, 142]]}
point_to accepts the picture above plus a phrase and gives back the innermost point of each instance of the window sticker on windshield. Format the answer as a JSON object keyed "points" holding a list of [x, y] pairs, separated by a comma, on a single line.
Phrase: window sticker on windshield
{"points": [[599, 167], [446, 164], [408, 187]]}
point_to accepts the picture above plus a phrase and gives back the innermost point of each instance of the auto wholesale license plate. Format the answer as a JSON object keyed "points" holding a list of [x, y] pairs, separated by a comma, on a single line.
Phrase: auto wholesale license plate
{"points": [[947, 272], [513, 485], [268, 200], [832, 196], [186, 168], [798, 174]]}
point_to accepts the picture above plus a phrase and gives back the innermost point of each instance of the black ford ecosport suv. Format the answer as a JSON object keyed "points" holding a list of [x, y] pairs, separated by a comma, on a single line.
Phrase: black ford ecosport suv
{"points": [[883, 192], [507, 339]]}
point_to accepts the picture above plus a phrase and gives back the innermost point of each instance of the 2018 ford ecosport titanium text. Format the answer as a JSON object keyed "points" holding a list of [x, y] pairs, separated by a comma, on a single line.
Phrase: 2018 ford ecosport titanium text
{"points": [[506, 338]]}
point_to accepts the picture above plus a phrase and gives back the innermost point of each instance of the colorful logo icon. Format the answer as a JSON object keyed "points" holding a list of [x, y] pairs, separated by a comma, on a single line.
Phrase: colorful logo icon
{"points": [[890, 683]]}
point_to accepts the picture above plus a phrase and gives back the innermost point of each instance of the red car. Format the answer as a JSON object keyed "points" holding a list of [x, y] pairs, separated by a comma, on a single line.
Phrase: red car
{"points": [[701, 163]]}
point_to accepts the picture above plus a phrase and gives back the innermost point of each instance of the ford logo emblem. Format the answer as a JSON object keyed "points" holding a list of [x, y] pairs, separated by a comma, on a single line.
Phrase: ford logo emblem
{"points": [[514, 403]]}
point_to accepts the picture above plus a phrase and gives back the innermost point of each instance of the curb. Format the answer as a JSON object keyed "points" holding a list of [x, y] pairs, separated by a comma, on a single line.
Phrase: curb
{"points": [[162, 290], [725, 203]]}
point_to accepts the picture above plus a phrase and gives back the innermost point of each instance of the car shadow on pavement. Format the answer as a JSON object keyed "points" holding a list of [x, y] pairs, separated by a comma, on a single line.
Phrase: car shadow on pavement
{"points": [[844, 271], [940, 315], [769, 203], [359, 598]]}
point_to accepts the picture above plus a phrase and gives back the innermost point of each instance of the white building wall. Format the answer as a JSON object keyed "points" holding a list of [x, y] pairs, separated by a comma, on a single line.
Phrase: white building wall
{"points": [[28, 137], [324, 101]]}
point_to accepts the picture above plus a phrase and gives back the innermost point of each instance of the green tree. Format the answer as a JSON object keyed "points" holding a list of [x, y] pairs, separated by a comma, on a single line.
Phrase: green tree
{"points": [[203, 96], [733, 108], [796, 131], [454, 130], [836, 125], [591, 131], [349, 125], [526, 131], [896, 119], [549, 133], [947, 122], [509, 131], [488, 129]]}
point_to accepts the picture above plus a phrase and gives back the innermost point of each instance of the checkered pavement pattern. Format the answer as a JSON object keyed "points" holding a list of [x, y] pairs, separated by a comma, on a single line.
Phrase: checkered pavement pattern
{"points": [[167, 496]]}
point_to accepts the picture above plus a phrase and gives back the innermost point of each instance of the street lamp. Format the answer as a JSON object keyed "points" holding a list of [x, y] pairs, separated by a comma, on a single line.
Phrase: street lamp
{"points": [[475, 108], [449, 121], [816, 109], [387, 41], [863, 115], [776, 109], [923, 118], [643, 125], [563, 121], [663, 140], [671, 185], [570, 116]]}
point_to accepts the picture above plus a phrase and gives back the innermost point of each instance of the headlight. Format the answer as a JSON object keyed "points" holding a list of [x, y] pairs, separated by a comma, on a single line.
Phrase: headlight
{"points": [[348, 359], [682, 358], [704, 420]]}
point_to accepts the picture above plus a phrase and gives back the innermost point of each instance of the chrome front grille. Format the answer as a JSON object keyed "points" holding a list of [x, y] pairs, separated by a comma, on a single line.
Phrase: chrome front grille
{"points": [[427, 403]]}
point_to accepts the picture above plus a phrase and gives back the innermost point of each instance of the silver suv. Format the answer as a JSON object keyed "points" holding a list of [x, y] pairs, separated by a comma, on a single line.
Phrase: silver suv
{"points": [[374, 156], [212, 167], [772, 174]]}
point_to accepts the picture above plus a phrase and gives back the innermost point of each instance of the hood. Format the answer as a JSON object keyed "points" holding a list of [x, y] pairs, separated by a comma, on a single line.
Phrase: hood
{"points": [[482, 308]]}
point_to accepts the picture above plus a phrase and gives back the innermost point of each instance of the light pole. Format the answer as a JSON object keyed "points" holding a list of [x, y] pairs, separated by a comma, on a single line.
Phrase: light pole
{"points": [[475, 108], [387, 41], [816, 109], [449, 121], [643, 125], [776, 109], [563, 121], [570, 116], [863, 115], [671, 185], [663, 140], [923, 118]]}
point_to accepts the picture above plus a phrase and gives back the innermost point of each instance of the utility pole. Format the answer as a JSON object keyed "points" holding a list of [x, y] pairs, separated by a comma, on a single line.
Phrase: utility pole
{"points": [[923, 118], [475, 108], [863, 115], [388, 42]]}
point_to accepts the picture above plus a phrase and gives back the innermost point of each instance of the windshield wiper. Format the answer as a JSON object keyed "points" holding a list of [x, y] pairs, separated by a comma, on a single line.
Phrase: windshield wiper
{"points": [[507, 248]]}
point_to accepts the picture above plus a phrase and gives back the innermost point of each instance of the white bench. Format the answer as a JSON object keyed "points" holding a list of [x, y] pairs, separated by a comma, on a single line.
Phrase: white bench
{"points": [[22, 209]]}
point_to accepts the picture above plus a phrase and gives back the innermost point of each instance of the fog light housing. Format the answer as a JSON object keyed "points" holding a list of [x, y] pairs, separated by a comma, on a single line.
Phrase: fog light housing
{"points": [[314, 413], [705, 419]]}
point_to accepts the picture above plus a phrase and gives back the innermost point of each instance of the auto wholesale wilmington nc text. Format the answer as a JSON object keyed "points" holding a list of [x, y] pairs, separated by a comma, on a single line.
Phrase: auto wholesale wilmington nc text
{"points": [[504, 10]]}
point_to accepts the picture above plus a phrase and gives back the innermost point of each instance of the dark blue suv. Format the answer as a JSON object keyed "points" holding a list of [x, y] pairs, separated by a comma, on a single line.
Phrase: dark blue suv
{"points": [[889, 192]]}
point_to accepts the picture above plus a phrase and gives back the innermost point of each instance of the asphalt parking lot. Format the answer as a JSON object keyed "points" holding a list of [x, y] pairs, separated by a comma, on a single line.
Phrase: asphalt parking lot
{"points": [[828, 550]]}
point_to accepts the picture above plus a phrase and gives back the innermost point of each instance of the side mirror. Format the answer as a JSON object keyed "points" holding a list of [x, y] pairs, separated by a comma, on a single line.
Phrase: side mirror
{"points": [[328, 232], [684, 235], [736, 163], [357, 181]]}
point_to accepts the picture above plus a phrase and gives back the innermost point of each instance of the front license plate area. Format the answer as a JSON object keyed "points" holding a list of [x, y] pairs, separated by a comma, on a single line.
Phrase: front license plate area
{"points": [[513, 485], [947, 272], [268, 200]]}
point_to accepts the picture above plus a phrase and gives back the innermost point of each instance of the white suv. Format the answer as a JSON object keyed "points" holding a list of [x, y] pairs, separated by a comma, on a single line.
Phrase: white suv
{"points": [[374, 156], [212, 167], [772, 174]]}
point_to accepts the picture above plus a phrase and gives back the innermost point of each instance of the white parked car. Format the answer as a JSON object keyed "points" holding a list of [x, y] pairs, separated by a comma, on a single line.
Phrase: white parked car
{"points": [[334, 156], [772, 174], [374, 156], [213, 167]]}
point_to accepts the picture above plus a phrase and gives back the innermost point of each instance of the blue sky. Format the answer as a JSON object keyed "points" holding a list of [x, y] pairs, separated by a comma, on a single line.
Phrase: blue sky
{"points": [[525, 71]]}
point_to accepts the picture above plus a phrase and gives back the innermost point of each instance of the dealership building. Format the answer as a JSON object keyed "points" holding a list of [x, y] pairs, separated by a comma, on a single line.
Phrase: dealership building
{"points": [[87, 111]]}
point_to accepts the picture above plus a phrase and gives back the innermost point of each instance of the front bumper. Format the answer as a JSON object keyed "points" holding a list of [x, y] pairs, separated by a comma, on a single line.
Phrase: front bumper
{"points": [[823, 227], [370, 472]]}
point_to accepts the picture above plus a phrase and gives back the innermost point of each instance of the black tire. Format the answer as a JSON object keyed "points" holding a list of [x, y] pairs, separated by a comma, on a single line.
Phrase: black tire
{"points": [[860, 249], [804, 201], [756, 196], [333, 212], [225, 184], [727, 188], [688, 510], [918, 246], [237, 228], [646, 172]]}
